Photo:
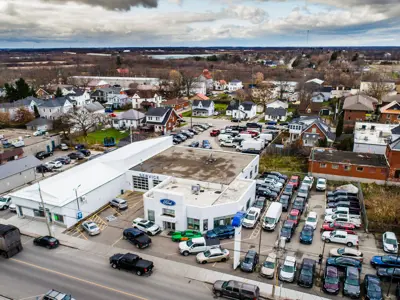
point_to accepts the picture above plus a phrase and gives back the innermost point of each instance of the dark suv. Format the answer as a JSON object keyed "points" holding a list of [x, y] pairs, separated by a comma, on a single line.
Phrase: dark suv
{"points": [[43, 154], [85, 152], [250, 261], [137, 238], [221, 232]]}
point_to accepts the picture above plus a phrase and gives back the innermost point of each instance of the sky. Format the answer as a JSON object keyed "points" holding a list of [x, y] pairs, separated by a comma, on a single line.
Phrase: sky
{"points": [[163, 23]]}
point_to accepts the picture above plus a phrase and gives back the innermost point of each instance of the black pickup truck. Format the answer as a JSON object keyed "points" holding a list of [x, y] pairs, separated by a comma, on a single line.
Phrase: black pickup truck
{"points": [[131, 262]]}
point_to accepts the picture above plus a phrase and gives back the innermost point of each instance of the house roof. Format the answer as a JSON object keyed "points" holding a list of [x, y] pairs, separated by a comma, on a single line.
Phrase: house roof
{"points": [[327, 89], [93, 107], [276, 112], [391, 98], [8, 153], [279, 102], [222, 81], [359, 102], [324, 128], [157, 111], [313, 106], [396, 130], [201, 97], [247, 105], [315, 80], [17, 166], [204, 103], [56, 102], [235, 81], [207, 74], [168, 112], [174, 101], [21, 102], [395, 145], [145, 94], [131, 115], [348, 157], [391, 108], [40, 121]]}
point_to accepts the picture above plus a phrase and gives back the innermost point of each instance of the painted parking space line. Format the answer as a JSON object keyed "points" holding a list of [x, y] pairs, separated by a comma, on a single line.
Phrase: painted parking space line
{"points": [[113, 244], [32, 297], [28, 241]]}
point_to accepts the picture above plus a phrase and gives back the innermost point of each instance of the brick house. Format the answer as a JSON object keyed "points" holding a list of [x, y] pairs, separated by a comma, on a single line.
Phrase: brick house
{"points": [[315, 132], [162, 119], [178, 104], [390, 113], [393, 155], [358, 108], [309, 108], [348, 166]]}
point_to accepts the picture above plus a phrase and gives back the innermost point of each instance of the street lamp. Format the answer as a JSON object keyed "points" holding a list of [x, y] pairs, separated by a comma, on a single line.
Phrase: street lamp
{"points": [[76, 196]]}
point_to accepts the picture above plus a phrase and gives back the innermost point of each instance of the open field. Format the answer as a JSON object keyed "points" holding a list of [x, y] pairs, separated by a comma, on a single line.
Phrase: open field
{"points": [[283, 164], [97, 137]]}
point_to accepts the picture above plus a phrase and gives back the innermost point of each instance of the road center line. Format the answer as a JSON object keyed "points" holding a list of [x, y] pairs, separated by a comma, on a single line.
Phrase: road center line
{"points": [[78, 279]]}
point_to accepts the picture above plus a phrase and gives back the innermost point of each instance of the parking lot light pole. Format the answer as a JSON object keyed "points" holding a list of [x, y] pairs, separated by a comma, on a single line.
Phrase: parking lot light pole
{"points": [[44, 210], [76, 196]]}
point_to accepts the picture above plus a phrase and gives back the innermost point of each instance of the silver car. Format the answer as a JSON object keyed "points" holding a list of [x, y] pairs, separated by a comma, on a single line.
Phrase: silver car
{"points": [[119, 203], [91, 227]]}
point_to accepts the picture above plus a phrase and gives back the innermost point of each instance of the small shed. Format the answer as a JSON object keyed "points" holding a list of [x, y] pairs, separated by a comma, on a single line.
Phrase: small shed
{"points": [[40, 124]]}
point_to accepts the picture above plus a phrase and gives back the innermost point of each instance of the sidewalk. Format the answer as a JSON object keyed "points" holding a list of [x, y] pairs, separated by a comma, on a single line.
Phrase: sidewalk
{"points": [[36, 228]]}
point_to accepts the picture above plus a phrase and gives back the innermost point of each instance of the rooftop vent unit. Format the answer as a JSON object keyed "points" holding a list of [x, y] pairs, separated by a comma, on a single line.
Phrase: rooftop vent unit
{"points": [[366, 138], [196, 189]]}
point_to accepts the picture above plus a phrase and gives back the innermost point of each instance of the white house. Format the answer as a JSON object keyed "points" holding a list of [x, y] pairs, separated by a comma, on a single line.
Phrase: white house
{"points": [[372, 137], [77, 97], [318, 97], [206, 77], [220, 85], [276, 111], [117, 101], [101, 95], [246, 110], [203, 108], [128, 119], [28, 103], [198, 87], [54, 108], [235, 85], [146, 98]]}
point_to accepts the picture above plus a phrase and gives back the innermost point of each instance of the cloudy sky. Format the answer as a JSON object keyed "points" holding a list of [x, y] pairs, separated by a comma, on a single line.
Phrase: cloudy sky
{"points": [[114, 23]]}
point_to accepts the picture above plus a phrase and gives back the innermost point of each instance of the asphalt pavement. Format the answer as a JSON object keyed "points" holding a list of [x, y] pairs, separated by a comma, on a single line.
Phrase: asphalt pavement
{"points": [[36, 270]]}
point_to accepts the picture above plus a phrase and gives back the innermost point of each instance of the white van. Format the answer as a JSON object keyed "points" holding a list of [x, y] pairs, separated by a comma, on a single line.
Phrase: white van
{"points": [[224, 137], [272, 216]]}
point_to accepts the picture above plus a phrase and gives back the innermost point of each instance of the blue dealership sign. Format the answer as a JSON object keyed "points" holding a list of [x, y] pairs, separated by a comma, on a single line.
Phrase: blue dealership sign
{"points": [[238, 219], [79, 215], [167, 202]]}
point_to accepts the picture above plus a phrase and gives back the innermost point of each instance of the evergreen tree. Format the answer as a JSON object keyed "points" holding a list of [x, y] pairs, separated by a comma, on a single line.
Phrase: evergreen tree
{"points": [[58, 93], [119, 61], [19, 90], [339, 127]]}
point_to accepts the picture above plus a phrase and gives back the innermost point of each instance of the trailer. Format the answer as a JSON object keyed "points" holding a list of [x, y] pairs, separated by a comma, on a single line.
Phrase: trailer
{"points": [[10, 241]]}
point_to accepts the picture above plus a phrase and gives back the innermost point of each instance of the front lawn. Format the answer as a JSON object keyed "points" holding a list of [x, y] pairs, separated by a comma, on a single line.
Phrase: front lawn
{"points": [[187, 114], [285, 164], [97, 137], [220, 106]]}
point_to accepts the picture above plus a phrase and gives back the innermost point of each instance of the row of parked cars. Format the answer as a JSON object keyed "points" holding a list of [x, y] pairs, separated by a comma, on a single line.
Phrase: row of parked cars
{"points": [[185, 134]]}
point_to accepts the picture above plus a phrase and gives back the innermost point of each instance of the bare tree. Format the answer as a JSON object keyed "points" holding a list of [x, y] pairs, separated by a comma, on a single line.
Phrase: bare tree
{"points": [[378, 89], [79, 82], [188, 81], [82, 120], [263, 94]]}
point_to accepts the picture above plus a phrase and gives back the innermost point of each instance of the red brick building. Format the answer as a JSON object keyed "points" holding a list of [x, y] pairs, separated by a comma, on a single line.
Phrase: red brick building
{"points": [[358, 108], [315, 132], [393, 158], [390, 113], [162, 119]]}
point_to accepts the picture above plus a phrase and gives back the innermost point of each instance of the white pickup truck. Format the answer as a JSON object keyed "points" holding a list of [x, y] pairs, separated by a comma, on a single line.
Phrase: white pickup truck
{"points": [[341, 237], [341, 210], [343, 218], [197, 245]]}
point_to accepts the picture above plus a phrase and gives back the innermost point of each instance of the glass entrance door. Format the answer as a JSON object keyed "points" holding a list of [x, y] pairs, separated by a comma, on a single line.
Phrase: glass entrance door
{"points": [[169, 225]]}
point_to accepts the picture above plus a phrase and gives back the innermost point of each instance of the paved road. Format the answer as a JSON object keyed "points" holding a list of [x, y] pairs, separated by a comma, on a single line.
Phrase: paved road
{"points": [[36, 270]]}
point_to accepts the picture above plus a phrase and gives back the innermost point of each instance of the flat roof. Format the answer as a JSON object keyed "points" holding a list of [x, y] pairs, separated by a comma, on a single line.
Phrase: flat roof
{"points": [[15, 134], [364, 134], [347, 157], [198, 164], [210, 193]]}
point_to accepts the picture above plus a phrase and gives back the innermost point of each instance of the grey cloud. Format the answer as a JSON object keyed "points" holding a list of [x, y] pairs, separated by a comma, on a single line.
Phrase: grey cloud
{"points": [[11, 10], [123, 5]]}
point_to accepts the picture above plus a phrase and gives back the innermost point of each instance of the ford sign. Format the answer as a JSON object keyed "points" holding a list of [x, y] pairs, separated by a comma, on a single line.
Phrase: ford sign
{"points": [[167, 202]]}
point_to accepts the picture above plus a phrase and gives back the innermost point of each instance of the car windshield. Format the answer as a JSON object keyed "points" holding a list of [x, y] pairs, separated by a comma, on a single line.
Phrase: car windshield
{"points": [[2, 199], [148, 224], [293, 180], [250, 217], [248, 260], [391, 241], [340, 251], [387, 259], [352, 280], [373, 287], [307, 272], [189, 243], [307, 232], [311, 219], [321, 181], [288, 269], [52, 240], [286, 230], [288, 189], [291, 217], [269, 220], [331, 280], [269, 265], [207, 253], [92, 227]]}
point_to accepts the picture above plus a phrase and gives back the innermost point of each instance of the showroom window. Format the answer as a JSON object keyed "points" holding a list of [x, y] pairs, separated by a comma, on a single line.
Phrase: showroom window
{"points": [[168, 212], [227, 220], [58, 218], [150, 215], [205, 224], [38, 213], [193, 223], [140, 183]]}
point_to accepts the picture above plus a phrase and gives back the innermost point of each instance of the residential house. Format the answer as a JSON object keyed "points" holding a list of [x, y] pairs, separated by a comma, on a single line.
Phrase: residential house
{"points": [[162, 119], [146, 99], [204, 108], [40, 124], [178, 104], [297, 126], [365, 86], [97, 84], [220, 85], [393, 156], [102, 95], [372, 137], [28, 103], [79, 97], [118, 101], [41, 93], [206, 77], [309, 108], [310, 130], [235, 85], [340, 91], [198, 87], [54, 108], [244, 111], [276, 111], [199, 97], [327, 92], [95, 108], [358, 108], [388, 99], [128, 119], [390, 113], [318, 97]]}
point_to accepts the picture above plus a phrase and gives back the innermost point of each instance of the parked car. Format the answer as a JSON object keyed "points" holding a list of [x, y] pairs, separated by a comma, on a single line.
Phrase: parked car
{"points": [[215, 132], [343, 210], [312, 219], [285, 201], [386, 274], [390, 244], [299, 204], [341, 193], [194, 144], [131, 262], [287, 230], [260, 203], [343, 262], [185, 235], [308, 180], [91, 227], [251, 217], [187, 133], [42, 169], [345, 218], [138, 238], [268, 267], [236, 290], [288, 269], [54, 165], [221, 232], [182, 136], [206, 144], [277, 179], [347, 252], [321, 184], [235, 120], [5, 202], [176, 140], [343, 198], [307, 235], [372, 287], [79, 147], [65, 160], [270, 195], [288, 190], [280, 175], [294, 180], [250, 261], [351, 287], [348, 227], [76, 155], [146, 226], [341, 237], [294, 216], [331, 283], [354, 206], [303, 191], [385, 261], [42, 154], [85, 152], [213, 255], [192, 130], [119, 203], [46, 241], [306, 276], [64, 147], [12, 208]]}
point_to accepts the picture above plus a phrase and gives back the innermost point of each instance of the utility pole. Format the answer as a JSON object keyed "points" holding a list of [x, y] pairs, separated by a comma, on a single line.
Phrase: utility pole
{"points": [[45, 211], [130, 133], [76, 196], [312, 164], [191, 114], [276, 282]]}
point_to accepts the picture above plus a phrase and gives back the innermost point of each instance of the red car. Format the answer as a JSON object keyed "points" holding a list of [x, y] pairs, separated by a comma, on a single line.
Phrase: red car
{"points": [[294, 180], [113, 115], [253, 133], [215, 132], [294, 216], [349, 228]]}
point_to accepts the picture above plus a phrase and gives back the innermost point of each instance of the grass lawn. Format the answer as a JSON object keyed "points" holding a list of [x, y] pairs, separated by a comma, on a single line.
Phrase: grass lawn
{"points": [[187, 113], [220, 106], [285, 164], [97, 137]]}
